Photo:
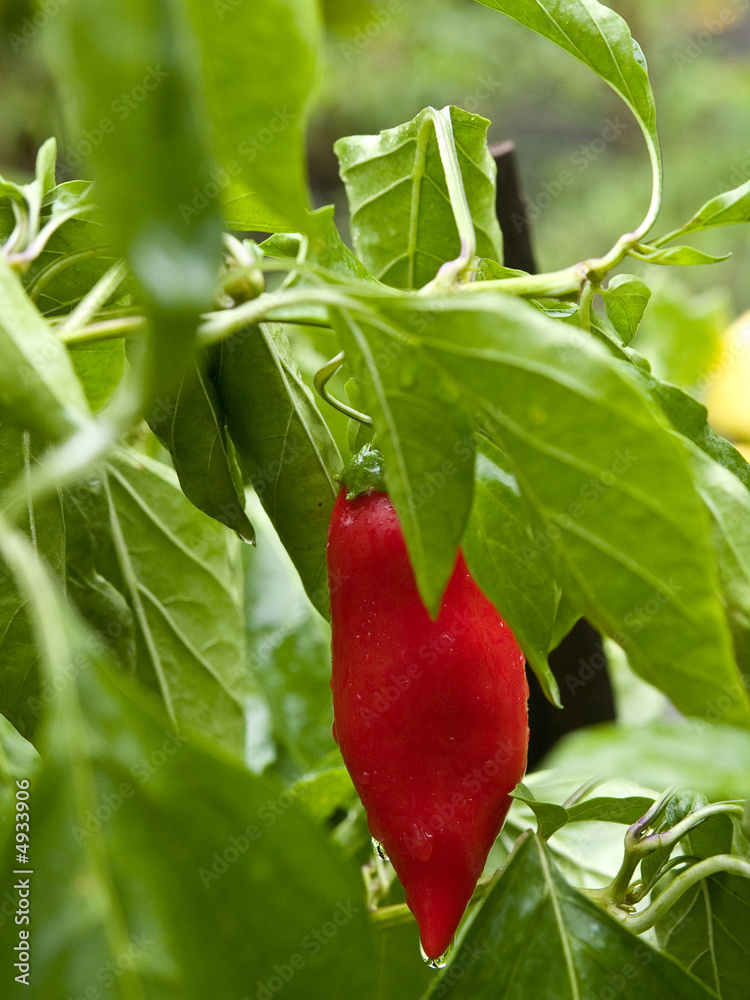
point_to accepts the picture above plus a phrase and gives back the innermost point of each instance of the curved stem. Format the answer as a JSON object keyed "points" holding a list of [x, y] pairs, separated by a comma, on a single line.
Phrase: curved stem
{"points": [[643, 921], [320, 381], [670, 837], [62, 264], [656, 189]]}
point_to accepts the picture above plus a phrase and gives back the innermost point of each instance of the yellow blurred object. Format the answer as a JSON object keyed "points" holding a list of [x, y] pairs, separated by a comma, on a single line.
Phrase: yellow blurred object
{"points": [[728, 394]]}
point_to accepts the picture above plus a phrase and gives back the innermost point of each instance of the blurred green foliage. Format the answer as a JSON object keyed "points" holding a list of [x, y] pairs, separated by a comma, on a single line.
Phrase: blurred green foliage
{"points": [[586, 180]]}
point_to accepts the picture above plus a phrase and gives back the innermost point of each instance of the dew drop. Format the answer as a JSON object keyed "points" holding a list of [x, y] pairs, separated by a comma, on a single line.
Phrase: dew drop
{"points": [[379, 850], [441, 961], [420, 847]]}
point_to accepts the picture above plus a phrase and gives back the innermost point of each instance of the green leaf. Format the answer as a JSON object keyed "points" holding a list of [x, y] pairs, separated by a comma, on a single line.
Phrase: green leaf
{"points": [[676, 255], [179, 574], [22, 691], [728, 504], [265, 52], [601, 40], [190, 425], [325, 793], [498, 543], [288, 647], [18, 761], [425, 432], [626, 298], [402, 222], [283, 444], [712, 758], [633, 553], [38, 385], [728, 209], [690, 418], [130, 76], [536, 936], [324, 248], [708, 928], [550, 816], [100, 367], [233, 905], [609, 810]]}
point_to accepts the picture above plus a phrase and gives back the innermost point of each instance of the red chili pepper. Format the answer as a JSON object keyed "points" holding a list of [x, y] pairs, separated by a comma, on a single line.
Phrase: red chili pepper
{"points": [[430, 716]]}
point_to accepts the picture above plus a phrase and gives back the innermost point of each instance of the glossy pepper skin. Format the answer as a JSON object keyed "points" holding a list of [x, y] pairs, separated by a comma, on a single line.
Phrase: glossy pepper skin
{"points": [[430, 716]]}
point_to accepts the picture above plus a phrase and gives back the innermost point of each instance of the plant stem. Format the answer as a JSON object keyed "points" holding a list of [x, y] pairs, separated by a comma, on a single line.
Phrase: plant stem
{"points": [[94, 299], [669, 838], [643, 921], [107, 329], [454, 269], [320, 381]]}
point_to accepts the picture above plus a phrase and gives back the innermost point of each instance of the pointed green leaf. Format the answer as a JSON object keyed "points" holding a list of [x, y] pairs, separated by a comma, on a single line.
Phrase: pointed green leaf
{"points": [[190, 425], [728, 209], [549, 816], [608, 810], [258, 64], [283, 444], [633, 552], [536, 936], [626, 298], [601, 40], [402, 222], [677, 255], [425, 432], [498, 543]]}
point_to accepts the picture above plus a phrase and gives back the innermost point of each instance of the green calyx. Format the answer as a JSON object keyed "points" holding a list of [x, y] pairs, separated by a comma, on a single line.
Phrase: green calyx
{"points": [[364, 473]]}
